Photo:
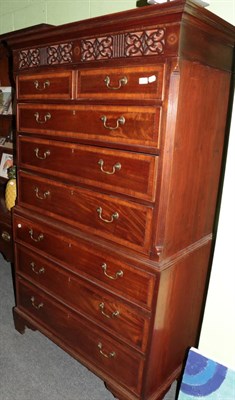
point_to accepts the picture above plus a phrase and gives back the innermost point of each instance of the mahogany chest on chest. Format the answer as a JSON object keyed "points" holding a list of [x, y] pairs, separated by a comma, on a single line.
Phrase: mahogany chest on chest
{"points": [[121, 124]]}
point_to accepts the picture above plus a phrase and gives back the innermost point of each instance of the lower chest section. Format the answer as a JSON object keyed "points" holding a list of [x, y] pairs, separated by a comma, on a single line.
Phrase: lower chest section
{"points": [[98, 305]]}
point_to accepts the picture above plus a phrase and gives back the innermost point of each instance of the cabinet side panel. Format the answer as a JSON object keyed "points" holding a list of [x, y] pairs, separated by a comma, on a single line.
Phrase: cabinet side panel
{"points": [[196, 156], [178, 316]]}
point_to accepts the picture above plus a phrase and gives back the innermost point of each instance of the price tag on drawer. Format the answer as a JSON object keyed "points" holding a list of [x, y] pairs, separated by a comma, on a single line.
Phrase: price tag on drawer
{"points": [[147, 79], [143, 81], [152, 78]]}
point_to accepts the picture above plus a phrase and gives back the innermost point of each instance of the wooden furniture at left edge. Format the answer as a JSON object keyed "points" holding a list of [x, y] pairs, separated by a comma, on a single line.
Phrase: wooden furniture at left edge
{"points": [[7, 129], [121, 125]]}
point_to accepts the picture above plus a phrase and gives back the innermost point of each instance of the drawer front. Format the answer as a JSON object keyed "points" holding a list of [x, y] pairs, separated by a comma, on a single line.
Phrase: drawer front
{"points": [[117, 171], [122, 83], [120, 221], [97, 304], [6, 243], [87, 260], [56, 85], [119, 124], [88, 341]]}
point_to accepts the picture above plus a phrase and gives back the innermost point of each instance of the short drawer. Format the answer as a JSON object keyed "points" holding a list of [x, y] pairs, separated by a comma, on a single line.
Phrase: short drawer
{"points": [[110, 124], [85, 340], [124, 222], [88, 299], [86, 259], [144, 82], [123, 172], [56, 85]]}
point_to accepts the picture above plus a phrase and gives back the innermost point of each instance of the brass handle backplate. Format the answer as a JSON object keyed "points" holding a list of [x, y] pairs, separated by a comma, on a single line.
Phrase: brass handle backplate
{"points": [[114, 314], [42, 120], [42, 157], [116, 167], [42, 196], [112, 354], [120, 121], [122, 82], [118, 274], [37, 306], [41, 85], [38, 239], [114, 216]]}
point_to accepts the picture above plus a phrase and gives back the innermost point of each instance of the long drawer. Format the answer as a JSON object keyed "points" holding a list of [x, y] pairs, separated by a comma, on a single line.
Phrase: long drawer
{"points": [[114, 170], [120, 221], [86, 259], [87, 341], [88, 299], [128, 125]]}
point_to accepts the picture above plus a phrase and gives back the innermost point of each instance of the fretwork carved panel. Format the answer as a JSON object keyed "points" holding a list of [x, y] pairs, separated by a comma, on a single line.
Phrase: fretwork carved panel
{"points": [[55, 54], [60, 54], [124, 45], [29, 58], [97, 48], [134, 44]]}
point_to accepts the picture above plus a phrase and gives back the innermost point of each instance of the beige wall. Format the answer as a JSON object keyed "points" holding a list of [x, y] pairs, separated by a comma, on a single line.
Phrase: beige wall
{"points": [[218, 330], [17, 14]]}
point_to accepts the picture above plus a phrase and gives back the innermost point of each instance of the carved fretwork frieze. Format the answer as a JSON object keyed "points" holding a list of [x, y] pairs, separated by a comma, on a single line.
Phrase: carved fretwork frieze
{"points": [[145, 43], [29, 58], [60, 54], [123, 45], [132, 44], [55, 54], [97, 48]]}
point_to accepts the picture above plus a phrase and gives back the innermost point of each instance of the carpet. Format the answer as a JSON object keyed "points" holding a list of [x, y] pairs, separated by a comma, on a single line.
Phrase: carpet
{"points": [[34, 368]]}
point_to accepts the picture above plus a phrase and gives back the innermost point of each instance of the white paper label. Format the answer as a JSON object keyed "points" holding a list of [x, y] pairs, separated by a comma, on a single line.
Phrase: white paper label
{"points": [[143, 81], [152, 78]]}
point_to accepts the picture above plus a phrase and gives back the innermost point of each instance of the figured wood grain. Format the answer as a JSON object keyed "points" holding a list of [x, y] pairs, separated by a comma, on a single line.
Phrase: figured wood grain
{"points": [[46, 86], [82, 337], [141, 125], [136, 177], [193, 160], [85, 259], [144, 82], [131, 227], [86, 299]]}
